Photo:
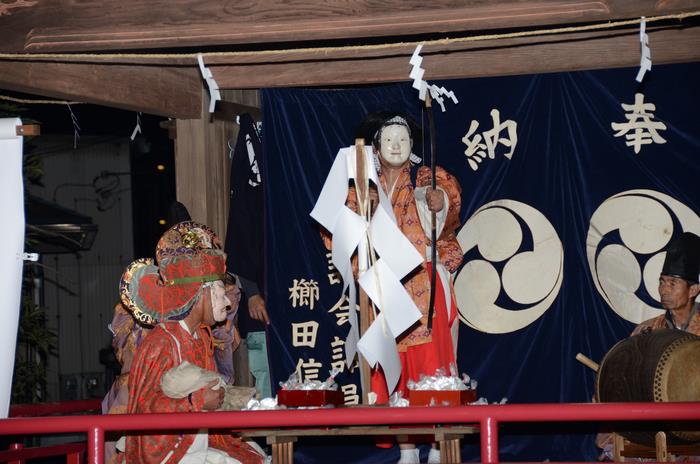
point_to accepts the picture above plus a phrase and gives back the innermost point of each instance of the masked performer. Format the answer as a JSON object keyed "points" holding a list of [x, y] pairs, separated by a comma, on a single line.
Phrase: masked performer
{"points": [[181, 295], [421, 351], [412, 199]]}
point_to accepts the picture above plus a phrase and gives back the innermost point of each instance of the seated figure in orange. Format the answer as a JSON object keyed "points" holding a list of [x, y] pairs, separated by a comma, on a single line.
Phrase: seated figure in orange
{"points": [[181, 294]]}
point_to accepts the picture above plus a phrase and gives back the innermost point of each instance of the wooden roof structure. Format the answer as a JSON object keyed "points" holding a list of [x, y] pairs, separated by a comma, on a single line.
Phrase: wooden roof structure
{"points": [[141, 56]]}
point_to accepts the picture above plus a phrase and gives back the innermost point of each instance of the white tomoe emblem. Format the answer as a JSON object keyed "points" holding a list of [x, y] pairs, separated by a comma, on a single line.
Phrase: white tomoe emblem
{"points": [[624, 246], [530, 277]]}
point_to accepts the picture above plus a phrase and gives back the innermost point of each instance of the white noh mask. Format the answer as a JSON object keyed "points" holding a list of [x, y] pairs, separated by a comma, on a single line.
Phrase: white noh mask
{"points": [[219, 300], [395, 145]]}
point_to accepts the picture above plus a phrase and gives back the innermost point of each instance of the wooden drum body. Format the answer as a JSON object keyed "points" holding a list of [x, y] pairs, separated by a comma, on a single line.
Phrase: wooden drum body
{"points": [[659, 366]]}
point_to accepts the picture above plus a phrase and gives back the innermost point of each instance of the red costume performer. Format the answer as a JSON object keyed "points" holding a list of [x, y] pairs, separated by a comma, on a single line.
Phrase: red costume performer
{"points": [[179, 296], [421, 351]]}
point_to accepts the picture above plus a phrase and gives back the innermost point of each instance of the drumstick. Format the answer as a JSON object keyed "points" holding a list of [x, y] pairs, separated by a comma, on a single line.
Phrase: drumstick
{"points": [[587, 362]]}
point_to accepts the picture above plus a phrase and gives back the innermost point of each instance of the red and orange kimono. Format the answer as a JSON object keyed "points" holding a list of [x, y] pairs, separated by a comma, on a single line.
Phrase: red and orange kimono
{"points": [[128, 334], [422, 352], [165, 347], [662, 322]]}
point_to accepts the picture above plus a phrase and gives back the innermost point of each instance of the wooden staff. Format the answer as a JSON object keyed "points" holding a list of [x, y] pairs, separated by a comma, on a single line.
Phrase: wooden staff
{"points": [[366, 313], [588, 362], [433, 220]]}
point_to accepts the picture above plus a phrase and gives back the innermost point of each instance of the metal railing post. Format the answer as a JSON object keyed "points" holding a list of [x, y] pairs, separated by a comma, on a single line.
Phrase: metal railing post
{"points": [[16, 446], [488, 417], [96, 445], [74, 458], [489, 440]]}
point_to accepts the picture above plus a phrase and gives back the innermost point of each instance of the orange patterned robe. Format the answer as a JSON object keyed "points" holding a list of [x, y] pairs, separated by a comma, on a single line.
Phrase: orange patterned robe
{"points": [[423, 352], [450, 254], [127, 337], [660, 322], [158, 353]]}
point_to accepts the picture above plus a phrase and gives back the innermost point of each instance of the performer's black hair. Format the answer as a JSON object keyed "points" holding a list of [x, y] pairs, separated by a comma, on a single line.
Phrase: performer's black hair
{"points": [[177, 212]]}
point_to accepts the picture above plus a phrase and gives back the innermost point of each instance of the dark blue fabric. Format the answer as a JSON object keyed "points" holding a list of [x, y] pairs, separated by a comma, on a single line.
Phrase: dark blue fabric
{"points": [[245, 231], [566, 163]]}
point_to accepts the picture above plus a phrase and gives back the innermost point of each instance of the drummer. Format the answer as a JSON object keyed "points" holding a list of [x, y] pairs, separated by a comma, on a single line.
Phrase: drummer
{"points": [[678, 288]]}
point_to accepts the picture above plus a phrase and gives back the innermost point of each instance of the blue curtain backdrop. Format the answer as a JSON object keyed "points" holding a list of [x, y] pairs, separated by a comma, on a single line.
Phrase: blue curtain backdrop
{"points": [[566, 163]]}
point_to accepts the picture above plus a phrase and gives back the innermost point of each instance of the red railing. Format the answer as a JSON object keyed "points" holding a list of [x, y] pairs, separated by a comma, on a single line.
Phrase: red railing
{"points": [[17, 454], [74, 452], [487, 416], [52, 409]]}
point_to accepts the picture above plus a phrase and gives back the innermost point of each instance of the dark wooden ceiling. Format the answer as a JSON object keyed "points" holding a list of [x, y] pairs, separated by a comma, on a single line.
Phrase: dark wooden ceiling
{"points": [[309, 43]]}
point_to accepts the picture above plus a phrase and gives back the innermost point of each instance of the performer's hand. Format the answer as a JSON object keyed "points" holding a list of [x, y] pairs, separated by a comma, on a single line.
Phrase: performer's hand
{"points": [[256, 309], [435, 200], [213, 398]]}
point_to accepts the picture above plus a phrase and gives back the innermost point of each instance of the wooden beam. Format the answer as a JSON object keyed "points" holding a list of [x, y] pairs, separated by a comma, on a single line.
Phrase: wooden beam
{"points": [[228, 111], [163, 91], [28, 129], [132, 24], [202, 168], [567, 52], [155, 85], [175, 91], [171, 127], [202, 165]]}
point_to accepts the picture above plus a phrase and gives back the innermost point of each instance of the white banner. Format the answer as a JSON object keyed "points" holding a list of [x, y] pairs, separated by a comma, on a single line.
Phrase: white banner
{"points": [[11, 249]]}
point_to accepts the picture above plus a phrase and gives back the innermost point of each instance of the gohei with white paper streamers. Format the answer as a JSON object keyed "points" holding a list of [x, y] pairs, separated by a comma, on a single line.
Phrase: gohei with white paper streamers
{"points": [[422, 86], [382, 281]]}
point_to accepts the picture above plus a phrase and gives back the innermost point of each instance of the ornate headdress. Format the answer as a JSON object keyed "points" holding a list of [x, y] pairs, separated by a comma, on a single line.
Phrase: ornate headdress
{"points": [[188, 255]]}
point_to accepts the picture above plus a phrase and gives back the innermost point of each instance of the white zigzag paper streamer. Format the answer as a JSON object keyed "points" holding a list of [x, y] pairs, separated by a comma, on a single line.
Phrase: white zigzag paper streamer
{"points": [[645, 60], [214, 94], [137, 129], [417, 73], [437, 93]]}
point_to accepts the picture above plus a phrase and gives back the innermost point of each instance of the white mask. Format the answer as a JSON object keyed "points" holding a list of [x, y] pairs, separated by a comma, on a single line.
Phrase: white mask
{"points": [[395, 145], [219, 300]]}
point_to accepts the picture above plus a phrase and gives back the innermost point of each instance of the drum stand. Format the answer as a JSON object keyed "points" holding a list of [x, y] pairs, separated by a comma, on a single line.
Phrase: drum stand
{"points": [[623, 448]]}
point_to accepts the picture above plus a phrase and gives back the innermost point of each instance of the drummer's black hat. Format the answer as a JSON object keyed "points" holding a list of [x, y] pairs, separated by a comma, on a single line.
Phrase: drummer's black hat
{"points": [[683, 258]]}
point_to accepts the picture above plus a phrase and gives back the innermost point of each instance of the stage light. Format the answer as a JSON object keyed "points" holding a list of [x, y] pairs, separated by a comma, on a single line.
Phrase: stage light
{"points": [[160, 167], [161, 222]]}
